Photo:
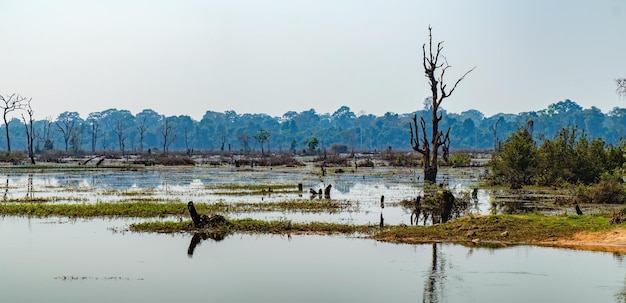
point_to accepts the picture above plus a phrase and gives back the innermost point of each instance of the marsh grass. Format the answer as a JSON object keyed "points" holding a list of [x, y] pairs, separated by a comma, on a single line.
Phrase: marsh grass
{"points": [[252, 189], [254, 226], [528, 229], [145, 209], [130, 193], [43, 199]]}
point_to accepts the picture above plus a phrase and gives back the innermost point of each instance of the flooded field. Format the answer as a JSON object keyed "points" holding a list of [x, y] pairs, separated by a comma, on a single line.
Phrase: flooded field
{"points": [[361, 190], [97, 260]]}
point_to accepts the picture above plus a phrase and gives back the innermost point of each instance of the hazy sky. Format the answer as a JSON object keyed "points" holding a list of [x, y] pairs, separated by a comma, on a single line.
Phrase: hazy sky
{"points": [[258, 56]]}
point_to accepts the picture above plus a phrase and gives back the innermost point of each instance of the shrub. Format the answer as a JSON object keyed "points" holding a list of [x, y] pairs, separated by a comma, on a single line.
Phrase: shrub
{"points": [[460, 160], [14, 157]]}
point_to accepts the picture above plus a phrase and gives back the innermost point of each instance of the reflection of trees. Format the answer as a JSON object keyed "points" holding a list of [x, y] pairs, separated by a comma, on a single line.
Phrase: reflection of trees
{"points": [[30, 193], [6, 190], [438, 205], [199, 237], [517, 201], [435, 281]]}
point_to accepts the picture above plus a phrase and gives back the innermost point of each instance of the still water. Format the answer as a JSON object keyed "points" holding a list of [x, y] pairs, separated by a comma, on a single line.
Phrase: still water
{"points": [[362, 189], [56, 260]]}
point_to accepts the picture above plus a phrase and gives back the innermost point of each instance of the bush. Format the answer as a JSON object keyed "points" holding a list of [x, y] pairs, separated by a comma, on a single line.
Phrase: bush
{"points": [[610, 189], [14, 157], [173, 160], [338, 148], [460, 160]]}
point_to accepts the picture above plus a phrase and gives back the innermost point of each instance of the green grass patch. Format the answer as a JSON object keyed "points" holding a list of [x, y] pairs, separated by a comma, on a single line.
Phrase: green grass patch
{"points": [[255, 226], [149, 209], [532, 228]]}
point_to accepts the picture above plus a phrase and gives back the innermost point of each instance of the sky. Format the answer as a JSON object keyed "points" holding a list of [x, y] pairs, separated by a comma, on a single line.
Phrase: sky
{"points": [[272, 56]]}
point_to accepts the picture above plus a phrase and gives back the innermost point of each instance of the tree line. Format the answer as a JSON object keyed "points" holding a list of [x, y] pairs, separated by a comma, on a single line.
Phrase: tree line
{"points": [[120, 130]]}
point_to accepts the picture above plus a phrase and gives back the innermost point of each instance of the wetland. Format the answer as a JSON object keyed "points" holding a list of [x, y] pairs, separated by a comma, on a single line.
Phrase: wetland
{"points": [[125, 235]]}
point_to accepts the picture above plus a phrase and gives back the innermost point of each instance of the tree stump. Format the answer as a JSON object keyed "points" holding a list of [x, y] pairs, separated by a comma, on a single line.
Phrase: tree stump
{"points": [[204, 220], [327, 191]]}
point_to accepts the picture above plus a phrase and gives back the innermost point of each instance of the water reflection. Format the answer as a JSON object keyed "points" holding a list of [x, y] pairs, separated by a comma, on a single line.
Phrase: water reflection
{"points": [[201, 236], [248, 268], [436, 278]]}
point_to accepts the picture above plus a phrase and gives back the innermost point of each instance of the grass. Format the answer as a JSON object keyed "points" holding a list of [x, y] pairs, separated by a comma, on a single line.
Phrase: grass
{"points": [[149, 209], [513, 229], [527, 229], [255, 226], [253, 189]]}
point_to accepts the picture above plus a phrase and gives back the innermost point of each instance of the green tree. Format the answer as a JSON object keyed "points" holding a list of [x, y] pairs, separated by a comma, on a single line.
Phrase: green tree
{"points": [[262, 137], [516, 160], [312, 144]]}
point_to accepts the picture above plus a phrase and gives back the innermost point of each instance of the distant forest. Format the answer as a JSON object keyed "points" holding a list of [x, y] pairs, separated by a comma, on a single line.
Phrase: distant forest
{"points": [[120, 130]]}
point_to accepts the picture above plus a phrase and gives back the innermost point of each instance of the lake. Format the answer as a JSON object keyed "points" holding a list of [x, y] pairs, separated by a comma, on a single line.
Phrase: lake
{"points": [[94, 260], [60, 260]]}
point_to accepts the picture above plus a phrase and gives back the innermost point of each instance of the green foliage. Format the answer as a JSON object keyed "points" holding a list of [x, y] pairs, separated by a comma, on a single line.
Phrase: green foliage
{"points": [[516, 160], [312, 144], [569, 158], [460, 159], [610, 189]]}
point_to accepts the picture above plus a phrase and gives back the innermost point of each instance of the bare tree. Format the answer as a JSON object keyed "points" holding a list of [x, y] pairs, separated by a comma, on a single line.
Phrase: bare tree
{"points": [[141, 129], [435, 71], [168, 138], [222, 141], [46, 136], [119, 131], [621, 86], [245, 143], [30, 132], [94, 129], [10, 103], [66, 126], [494, 131]]}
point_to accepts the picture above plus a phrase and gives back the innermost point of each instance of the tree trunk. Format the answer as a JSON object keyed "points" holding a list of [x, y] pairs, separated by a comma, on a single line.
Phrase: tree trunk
{"points": [[430, 174]]}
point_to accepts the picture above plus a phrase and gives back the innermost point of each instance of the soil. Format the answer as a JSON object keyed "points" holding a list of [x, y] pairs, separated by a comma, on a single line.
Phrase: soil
{"points": [[613, 240]]}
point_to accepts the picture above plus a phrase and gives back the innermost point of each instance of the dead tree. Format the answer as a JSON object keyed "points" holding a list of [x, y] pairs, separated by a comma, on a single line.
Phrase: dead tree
{"points": [[202, 221], [94, 129], [327, 191], [119, 131], [168, 137], [66, 127], [141, 130], [494, 130], [30, 132], [621, 86], [435, 71], [10, 103]]}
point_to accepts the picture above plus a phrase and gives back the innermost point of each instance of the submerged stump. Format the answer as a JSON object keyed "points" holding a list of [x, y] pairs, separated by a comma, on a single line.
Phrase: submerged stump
{"points": [[201, 221]]}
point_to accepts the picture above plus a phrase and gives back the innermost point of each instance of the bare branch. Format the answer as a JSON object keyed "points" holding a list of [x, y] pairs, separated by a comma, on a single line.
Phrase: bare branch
{"points": [[621, 86]]}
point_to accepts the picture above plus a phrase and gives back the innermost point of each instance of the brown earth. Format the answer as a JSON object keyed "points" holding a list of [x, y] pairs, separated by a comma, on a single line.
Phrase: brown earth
{"points": [[613, 240]]}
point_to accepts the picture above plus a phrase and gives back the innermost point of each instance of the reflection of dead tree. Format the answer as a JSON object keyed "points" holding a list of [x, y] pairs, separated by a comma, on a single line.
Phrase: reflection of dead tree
{"points": [[438, 206], [6, 190], [199, 237], [434, 286], [30, 192]]}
